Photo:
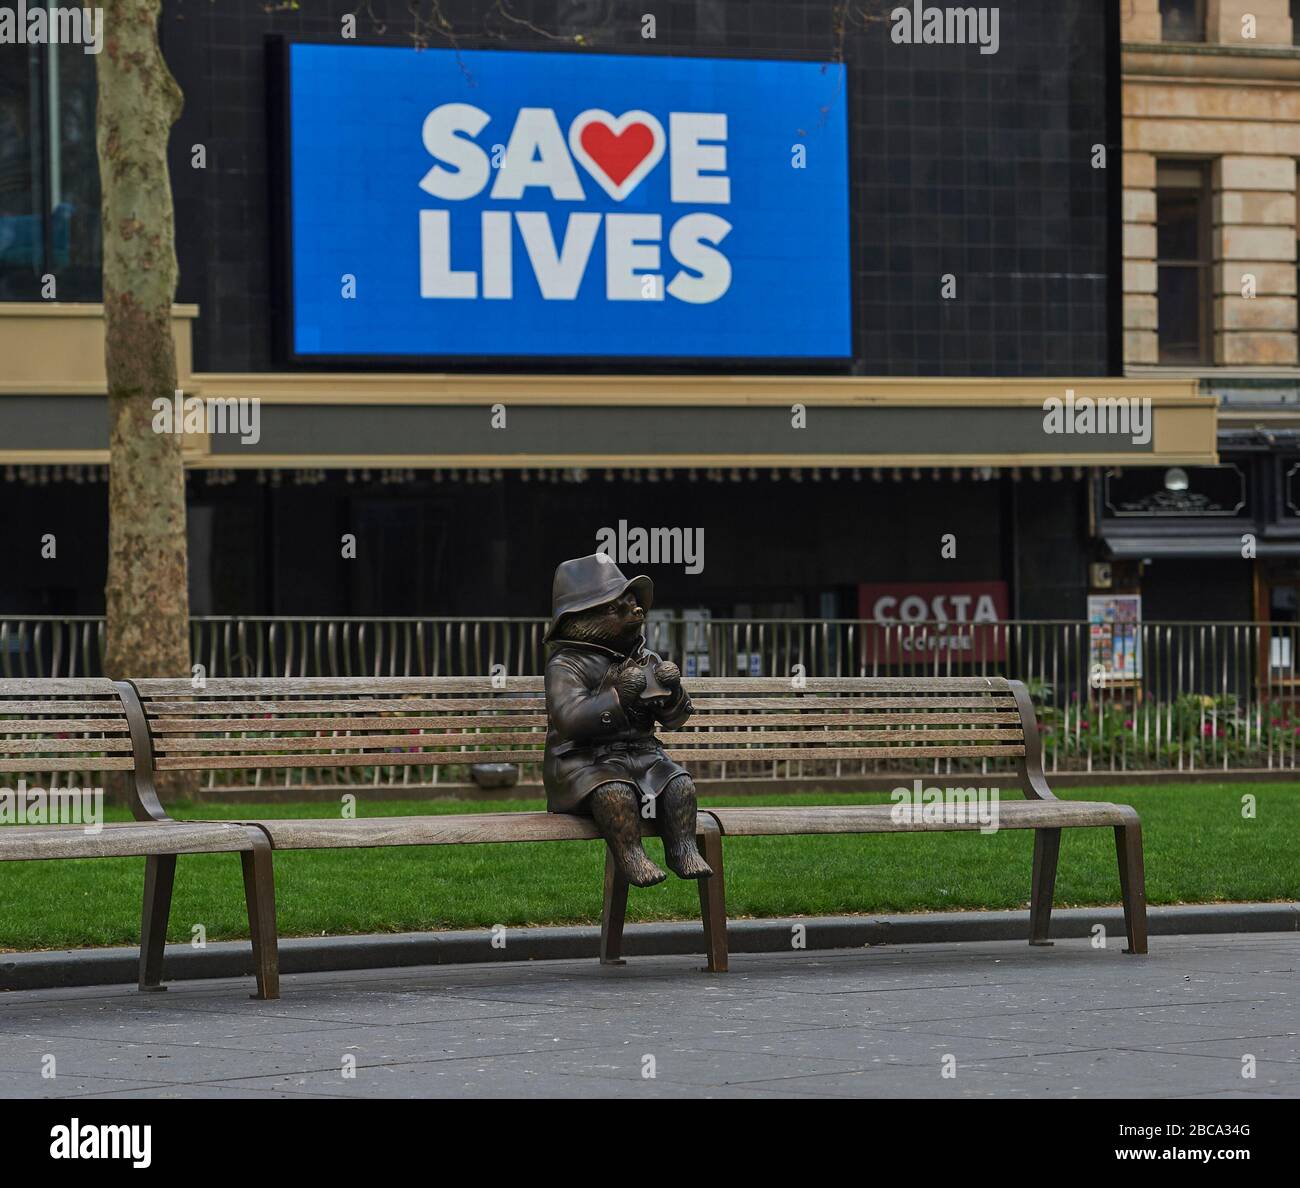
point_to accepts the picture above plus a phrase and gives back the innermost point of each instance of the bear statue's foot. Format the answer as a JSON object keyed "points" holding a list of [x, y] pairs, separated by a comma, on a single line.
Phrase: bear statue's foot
{"points": [[616, 810], [677, 825], [636, 866], [685, 862]]}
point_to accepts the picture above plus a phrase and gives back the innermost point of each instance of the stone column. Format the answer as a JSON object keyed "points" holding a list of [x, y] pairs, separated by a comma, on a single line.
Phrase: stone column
{"points": [[1141, 344], [1254, 244], [1139, 20], [1225, 22]]}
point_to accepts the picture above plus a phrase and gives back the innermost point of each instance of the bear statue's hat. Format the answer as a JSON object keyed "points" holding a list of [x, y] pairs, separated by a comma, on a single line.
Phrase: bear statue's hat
{"points": [[586, 582]]}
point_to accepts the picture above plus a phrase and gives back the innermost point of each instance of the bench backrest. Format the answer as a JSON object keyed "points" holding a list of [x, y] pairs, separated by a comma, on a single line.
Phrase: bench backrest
{"points": [[247, 724], [235, 724], [61, 726], [882, 720]]}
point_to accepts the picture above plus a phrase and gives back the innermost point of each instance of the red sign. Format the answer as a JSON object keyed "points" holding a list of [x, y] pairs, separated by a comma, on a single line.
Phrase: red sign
{"points": [[924, 623]]}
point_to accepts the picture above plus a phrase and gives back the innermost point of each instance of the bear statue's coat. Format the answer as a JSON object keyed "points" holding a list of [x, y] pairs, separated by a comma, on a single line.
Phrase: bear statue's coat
{"points": [[592, 736]]}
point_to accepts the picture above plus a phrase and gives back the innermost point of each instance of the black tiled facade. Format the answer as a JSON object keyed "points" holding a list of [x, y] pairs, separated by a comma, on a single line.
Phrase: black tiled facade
{"points": [[979, 166]]}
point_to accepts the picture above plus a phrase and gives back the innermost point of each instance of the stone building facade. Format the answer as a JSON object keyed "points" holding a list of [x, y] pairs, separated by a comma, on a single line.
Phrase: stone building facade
{"points": [[1211, 136], [1227, 106]]}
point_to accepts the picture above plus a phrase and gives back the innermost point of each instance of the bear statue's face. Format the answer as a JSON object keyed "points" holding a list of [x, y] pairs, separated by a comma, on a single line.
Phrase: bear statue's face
{"points": [[617, 625]]}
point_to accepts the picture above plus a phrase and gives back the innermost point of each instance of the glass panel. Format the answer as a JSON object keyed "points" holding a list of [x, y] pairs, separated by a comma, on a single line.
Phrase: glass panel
{"points": [[74, 176], [1178, 226], [1182, 20], [1282, 604], [1179, 305], [22, 237]]}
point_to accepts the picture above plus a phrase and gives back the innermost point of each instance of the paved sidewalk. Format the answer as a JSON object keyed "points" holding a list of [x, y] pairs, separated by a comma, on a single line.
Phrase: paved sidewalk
{"points": [[1017, 1021]]}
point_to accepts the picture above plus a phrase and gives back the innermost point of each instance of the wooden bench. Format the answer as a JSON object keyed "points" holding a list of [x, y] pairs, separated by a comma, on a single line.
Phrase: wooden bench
{"points": [[832, 728], [842, 726], [79, 728], [268, 724]]}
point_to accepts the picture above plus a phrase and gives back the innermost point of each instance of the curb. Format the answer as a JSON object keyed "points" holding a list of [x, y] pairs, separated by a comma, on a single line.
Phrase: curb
{"points": [[232, 959]]}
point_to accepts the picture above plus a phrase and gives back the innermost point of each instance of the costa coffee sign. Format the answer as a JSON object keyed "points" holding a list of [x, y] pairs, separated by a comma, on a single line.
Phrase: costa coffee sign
{"points": [[929, 622]]}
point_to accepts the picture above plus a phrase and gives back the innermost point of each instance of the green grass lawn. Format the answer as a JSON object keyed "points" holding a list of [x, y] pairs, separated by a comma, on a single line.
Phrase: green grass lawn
{"points": [[1199, 849]]}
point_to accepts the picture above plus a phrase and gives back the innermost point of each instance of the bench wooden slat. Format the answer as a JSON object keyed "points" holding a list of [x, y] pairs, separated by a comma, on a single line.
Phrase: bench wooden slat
{"points": [[308, 705], [446, 758], [684, 739], [40, 763], [380, 721], [57, 686], [345, 742], [820, 702], [819, 718], [58, 746], [900, 736], [858, 685], [386, 720], [38, 726], [132, 839], [878, 818], [348, 686], [62, 708], [354, 759], [436, 829]]}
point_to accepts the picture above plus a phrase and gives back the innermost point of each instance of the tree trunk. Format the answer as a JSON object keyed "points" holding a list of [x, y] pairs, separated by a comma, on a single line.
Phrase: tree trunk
{"points": [[147, 594]]}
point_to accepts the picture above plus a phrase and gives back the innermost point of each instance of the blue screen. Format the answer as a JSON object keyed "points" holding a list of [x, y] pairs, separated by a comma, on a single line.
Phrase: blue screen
{"points": [[492, 203]]}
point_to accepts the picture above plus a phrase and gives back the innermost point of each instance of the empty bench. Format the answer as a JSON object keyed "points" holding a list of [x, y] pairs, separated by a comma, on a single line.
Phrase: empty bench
{"points": [[839, 727], [54, 732]]}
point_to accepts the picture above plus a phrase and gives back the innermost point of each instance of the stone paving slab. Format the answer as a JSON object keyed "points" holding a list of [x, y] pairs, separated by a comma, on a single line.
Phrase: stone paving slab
{"points": [[1013, 1021]]}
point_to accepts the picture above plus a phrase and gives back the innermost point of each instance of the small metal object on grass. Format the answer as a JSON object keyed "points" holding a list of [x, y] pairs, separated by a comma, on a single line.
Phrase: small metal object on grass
{"points": [[495, 775]]}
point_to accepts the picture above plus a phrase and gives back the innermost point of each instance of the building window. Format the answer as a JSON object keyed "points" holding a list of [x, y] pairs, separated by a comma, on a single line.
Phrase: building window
{"points": [[1295, 22], [49, 174], [1183, 20], [1184, 312]]}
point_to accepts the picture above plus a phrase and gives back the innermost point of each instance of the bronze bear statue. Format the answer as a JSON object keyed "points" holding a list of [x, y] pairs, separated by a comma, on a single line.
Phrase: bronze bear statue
{"points": [[604, 695]]}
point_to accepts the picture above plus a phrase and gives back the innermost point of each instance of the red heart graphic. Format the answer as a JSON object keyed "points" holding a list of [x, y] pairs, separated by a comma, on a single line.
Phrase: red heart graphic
{"points": [[618, 155]]}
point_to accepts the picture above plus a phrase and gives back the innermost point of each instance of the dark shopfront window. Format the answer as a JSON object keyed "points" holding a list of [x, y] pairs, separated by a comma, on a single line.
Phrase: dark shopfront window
{"points": [[49, 173], [1183, 262]]}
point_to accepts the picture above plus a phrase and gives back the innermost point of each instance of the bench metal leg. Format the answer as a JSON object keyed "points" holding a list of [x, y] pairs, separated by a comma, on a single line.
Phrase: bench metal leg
{"points": [[612, 913], [159, 876], [259, 890], [1132, 883], [1047, 847], [713, 903]]}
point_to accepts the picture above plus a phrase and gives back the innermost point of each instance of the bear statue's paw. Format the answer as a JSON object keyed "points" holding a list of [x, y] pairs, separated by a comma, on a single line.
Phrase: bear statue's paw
{"points": [[638, 869], [686, 863]]}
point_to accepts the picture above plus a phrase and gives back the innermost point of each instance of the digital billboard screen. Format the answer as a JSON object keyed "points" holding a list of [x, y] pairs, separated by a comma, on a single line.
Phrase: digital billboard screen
{"points": [[502, 204]]}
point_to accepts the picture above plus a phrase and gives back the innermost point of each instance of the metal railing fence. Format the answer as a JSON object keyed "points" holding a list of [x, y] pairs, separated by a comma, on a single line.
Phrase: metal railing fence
{"points": [[1183, 696]]}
